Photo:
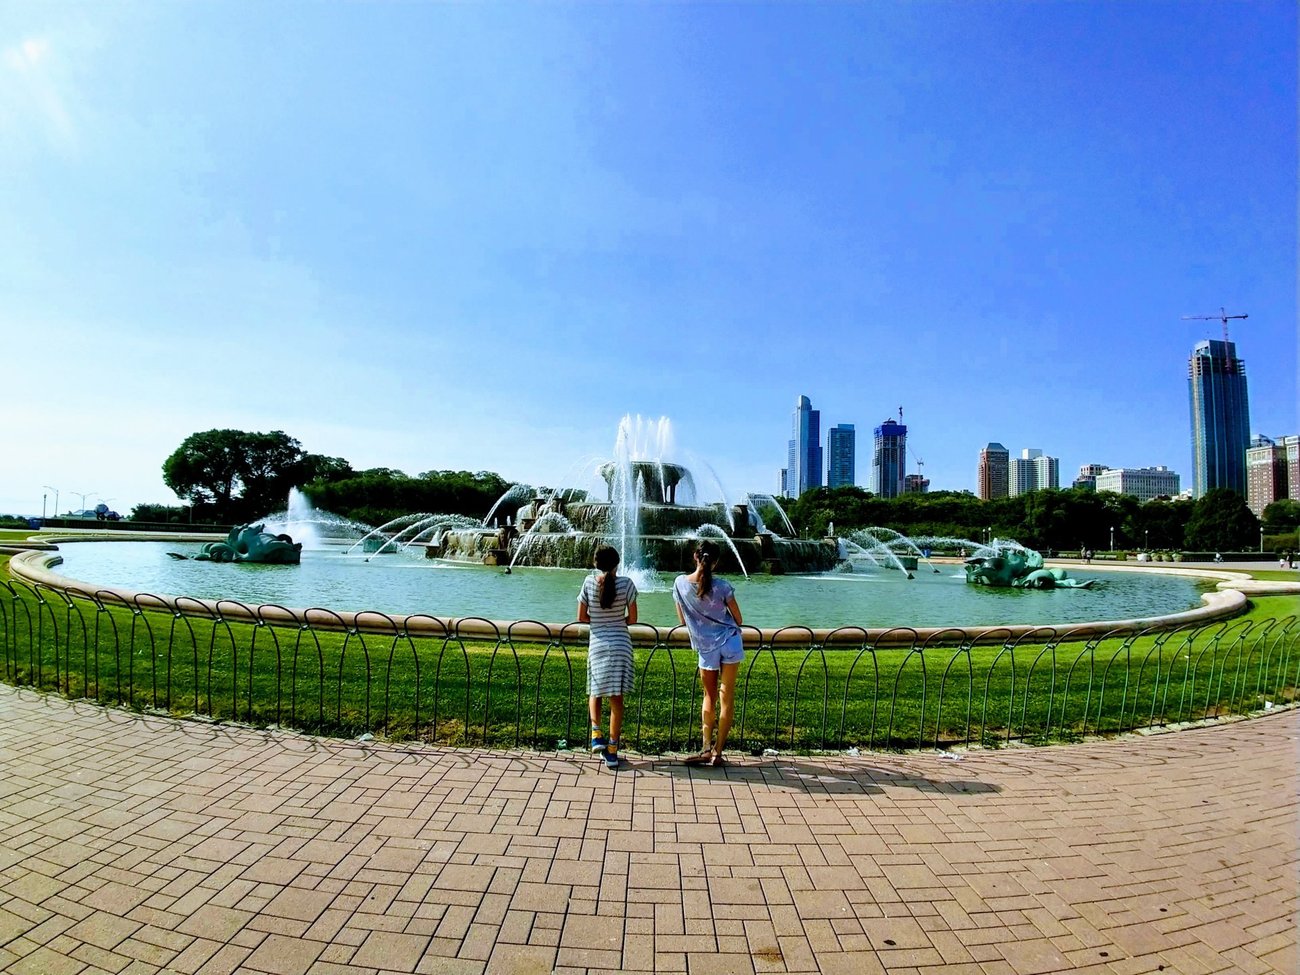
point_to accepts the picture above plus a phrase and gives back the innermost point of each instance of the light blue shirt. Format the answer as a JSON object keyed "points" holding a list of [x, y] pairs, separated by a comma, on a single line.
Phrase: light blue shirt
{"points": [[707, 618]]}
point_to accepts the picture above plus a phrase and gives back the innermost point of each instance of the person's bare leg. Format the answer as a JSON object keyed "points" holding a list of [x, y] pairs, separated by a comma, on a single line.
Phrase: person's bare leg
{"points": [[708, 707], [616, 717], [593, 709], [726, 705]]}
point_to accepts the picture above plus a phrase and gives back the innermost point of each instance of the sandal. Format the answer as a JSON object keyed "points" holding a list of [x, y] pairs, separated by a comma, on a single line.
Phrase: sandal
{"points": [[718, 761], [703, 758]]}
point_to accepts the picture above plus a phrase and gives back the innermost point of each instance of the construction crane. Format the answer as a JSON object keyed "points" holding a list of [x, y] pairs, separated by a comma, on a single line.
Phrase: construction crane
{"points": [[920, 464], [1222, 316]]}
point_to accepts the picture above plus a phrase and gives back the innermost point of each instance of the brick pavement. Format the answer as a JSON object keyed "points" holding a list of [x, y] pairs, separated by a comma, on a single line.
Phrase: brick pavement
{"points": [[140, 845]]}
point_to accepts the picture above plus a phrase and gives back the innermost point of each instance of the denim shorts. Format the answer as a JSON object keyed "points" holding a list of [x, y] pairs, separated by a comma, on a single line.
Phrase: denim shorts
{"points": [[731, 652]]}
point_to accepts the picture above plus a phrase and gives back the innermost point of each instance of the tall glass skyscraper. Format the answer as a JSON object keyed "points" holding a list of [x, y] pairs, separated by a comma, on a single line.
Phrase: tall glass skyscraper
{"points": [[804, 460], [841, 462], [1216, 381], [889, 460]]}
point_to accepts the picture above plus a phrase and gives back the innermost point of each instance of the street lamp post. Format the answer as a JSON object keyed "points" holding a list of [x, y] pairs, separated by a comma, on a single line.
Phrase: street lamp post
{"points": [[1112, 538], [56, 500], [83, 495], [1146, 539], [1261, 539]]}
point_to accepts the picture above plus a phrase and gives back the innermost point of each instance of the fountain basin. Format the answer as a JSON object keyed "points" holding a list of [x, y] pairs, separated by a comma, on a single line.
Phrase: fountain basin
{"points": [[484, 603]]}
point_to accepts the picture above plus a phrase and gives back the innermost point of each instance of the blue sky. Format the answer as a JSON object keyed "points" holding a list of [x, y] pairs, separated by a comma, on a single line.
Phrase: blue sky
{"points": [[475, 236]]}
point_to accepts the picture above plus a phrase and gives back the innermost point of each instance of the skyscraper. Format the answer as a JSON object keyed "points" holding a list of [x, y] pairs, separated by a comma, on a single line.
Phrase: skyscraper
{"points": [[1272, 471], [804, 461], [994, 470], [841, 459], [889, 460], [1032, 471], [1216, 381], [1047, 473], [1020, 472]]}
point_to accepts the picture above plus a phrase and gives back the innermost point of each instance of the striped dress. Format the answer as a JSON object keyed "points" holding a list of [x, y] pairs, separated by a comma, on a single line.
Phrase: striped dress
{"points": [[609, 655]]}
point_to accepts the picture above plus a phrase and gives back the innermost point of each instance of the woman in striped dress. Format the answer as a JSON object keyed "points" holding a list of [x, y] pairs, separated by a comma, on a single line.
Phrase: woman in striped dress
{"points": [[608, 603]]}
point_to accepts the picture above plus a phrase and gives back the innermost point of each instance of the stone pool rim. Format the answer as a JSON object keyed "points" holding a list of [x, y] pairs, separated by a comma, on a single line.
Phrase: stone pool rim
{"points": [[35, 566]]}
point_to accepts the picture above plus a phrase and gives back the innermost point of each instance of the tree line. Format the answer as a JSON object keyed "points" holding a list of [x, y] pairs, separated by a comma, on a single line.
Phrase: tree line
{"points": [[1055, 520], [232, 476]]}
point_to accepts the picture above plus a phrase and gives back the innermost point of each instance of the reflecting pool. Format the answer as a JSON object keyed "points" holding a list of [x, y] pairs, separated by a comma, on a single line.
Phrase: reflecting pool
{"points": [[399, 584]]}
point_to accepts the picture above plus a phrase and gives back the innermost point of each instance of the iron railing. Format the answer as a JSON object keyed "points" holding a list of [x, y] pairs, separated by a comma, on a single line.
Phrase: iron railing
{"points": [[426, 679]]}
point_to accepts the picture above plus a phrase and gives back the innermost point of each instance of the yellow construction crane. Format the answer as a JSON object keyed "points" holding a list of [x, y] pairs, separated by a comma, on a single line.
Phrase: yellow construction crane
{"points": [[1222, 316]]}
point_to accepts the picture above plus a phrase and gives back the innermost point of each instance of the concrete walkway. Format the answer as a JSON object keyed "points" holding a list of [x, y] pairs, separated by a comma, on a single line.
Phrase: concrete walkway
{"points": [[132, 844]]}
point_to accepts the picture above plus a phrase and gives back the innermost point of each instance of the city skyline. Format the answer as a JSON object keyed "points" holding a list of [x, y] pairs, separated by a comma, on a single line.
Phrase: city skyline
{"points": [[474, 237]]}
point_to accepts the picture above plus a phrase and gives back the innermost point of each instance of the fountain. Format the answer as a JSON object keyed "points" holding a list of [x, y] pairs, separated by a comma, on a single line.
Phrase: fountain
{"points": [[650, 514], [312, 527]]}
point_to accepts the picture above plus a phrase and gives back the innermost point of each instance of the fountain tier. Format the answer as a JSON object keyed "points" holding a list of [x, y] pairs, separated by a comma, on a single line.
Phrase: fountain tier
{"points": [[648, 515]]}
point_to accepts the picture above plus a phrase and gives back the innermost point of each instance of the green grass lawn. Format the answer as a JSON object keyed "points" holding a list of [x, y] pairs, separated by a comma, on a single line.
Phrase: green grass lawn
{"points": [[1276, 575], [465, 692]]}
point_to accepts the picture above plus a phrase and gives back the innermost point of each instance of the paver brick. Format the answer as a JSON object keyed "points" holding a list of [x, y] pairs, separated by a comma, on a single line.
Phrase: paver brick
{"points": [[264, 856]]}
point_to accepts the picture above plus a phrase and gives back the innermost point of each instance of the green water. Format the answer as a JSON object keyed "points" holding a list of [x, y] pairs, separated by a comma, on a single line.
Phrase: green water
{"points": [[398, 584]]}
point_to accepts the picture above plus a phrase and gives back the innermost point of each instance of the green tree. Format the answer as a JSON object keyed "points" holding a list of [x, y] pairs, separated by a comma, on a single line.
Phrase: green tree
{"points": [[1221, 522], [159, 513], [318, 467], [1163, 523], [1282, 516], [238, 474], [381, 494]]}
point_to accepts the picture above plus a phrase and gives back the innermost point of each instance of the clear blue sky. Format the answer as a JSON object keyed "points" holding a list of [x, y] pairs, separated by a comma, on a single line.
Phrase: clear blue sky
{"points": [[474, 236]]}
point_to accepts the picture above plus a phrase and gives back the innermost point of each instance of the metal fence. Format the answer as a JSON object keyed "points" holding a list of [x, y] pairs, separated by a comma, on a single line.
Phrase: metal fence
{"points": [[421, 678]]}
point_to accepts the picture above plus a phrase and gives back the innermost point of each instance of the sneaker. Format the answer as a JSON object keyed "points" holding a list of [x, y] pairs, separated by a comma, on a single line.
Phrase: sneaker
{"points": [[598, 743], [611, 755]]}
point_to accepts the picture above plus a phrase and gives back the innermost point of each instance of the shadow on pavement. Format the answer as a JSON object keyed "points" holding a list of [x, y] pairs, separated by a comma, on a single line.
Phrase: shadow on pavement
{"points": [[794, 774]]}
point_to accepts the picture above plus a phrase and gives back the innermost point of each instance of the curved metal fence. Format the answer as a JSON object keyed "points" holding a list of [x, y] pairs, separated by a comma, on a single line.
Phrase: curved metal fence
{"points": [[420, 678]]}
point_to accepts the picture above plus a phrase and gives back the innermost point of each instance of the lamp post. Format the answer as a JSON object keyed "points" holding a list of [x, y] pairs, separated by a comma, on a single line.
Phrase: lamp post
{"points": [[1146, 539], [56, 500], [1261, 539], [83, 495], [1112, 538]]}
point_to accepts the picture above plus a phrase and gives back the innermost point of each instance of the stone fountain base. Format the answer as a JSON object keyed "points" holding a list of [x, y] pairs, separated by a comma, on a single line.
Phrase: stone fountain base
{"points": [[762, 553]]}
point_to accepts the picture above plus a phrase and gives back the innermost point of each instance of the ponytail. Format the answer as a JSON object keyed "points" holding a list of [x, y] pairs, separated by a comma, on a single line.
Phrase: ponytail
{"points": [[607, 562], [706, 554]]}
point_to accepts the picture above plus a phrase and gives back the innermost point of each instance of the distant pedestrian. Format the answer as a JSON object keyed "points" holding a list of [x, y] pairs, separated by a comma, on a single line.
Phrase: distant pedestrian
{"points": [[707, 605], [608, 603]]}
